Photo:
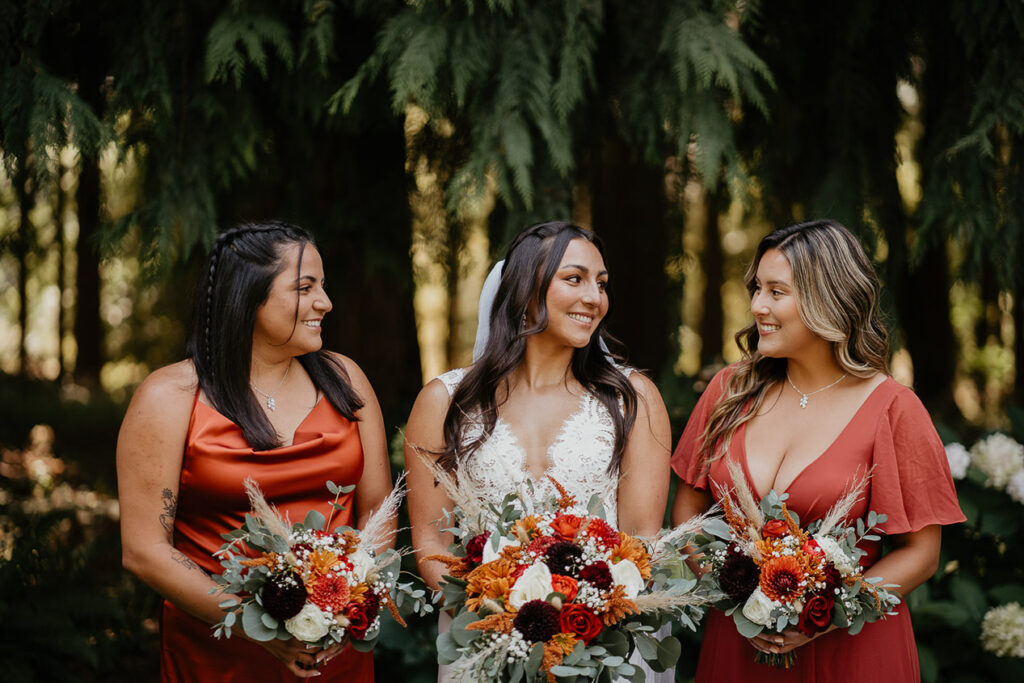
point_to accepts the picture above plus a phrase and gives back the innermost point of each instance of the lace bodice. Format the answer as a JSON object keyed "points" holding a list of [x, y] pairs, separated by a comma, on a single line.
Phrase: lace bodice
{"points": [[578, 458]]}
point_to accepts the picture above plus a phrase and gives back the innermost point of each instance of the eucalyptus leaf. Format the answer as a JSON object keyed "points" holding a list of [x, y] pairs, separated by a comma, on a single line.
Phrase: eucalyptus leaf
{"points": [[534, 660], [718, 527], [669, 650], [315, 520], [746, 627], [252, 623]]}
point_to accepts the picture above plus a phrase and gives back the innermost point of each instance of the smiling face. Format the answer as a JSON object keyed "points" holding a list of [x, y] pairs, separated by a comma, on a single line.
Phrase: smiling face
{"points": [[289, 320], [775, 307], [576, 297]]}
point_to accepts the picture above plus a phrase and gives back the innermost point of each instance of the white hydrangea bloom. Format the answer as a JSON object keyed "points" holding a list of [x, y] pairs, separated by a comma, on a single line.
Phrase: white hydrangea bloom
{"points": [[999, 457], [1015, 487], [959, 459], [1002, 630]]}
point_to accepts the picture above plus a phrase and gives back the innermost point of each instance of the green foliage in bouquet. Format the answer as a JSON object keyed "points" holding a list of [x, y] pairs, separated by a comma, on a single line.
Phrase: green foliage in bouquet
{"points": [[551, 591], [319, 586]]}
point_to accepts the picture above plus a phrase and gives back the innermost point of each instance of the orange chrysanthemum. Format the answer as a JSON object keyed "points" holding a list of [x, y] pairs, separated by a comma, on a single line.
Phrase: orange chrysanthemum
{"points": [[489, 581], [617, 606], [330, 593], [525, 529], [554, 652], [632, 549], [782, 578], [321, 561]]}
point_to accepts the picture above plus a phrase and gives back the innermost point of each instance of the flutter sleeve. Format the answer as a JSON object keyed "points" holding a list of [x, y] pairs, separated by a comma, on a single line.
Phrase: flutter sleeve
{"points": [[911, 482], [685, 462]]}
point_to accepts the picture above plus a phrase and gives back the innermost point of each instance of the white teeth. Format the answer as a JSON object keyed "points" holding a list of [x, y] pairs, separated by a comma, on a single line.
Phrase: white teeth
{"points": [[767, 328], [311, 323], [581, 318]]}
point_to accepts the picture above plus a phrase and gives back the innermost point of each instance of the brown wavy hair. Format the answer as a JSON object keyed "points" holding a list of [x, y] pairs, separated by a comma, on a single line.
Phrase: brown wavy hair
{"points": [[837, 298]]}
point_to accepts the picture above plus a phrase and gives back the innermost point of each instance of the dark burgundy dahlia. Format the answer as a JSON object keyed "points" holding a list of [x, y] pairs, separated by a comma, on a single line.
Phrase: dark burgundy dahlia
{"points": [[564, 558], [739, 576], [537, 621], [597, 575], [475, 547], [283, 595], [833, 579]]}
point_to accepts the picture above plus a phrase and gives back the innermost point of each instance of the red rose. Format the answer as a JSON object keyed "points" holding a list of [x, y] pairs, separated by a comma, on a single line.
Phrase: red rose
{"points": [[817, 615], [775, 528], [581, 620], [811, 547], [475, 547], [357, 621]]}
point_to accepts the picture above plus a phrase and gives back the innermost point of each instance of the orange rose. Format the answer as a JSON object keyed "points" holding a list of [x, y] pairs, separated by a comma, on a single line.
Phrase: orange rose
{"points": [[775, 528], [566, 526], [566, 585]]}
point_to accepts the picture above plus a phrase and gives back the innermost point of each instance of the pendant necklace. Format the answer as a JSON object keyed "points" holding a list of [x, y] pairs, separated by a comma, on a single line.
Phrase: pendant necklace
{"points": [[271, 403], [803, 396]]}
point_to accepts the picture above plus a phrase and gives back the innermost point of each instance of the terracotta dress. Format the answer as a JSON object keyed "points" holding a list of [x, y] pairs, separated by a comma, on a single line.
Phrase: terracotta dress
{"points": [[911, 483], [212, 501]]}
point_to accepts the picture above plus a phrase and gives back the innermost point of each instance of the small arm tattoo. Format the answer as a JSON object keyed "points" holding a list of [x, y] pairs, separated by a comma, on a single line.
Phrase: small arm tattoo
{"points": [[170, 510], [184, 560]]}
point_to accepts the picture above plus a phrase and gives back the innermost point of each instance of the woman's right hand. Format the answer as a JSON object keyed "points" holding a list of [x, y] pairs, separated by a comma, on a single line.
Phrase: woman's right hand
{"points": [[303, 660]]}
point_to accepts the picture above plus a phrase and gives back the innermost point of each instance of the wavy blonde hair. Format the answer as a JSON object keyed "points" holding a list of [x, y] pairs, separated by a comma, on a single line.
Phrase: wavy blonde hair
{"points": [[837, 298]]}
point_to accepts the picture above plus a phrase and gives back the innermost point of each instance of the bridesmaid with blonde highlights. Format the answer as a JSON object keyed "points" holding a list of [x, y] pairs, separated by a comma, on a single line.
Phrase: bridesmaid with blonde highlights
{"points": [[808, 408]]}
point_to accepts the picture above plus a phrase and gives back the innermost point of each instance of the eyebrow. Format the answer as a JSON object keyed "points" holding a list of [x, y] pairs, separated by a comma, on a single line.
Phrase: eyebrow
{"points": [[304, 277], [774, 282], [581, 268]]}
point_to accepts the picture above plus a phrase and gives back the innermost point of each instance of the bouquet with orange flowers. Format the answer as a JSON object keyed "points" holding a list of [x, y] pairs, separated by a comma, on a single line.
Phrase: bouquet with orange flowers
{"points": [[556, 592], [306, 582], [773, 574]]}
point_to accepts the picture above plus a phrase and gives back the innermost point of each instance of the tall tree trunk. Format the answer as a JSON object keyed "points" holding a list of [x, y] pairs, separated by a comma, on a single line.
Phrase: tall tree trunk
{"points": [[61, 244], [928, 332], [712, 262], [24, 189], [629, 215], [88, 325]]}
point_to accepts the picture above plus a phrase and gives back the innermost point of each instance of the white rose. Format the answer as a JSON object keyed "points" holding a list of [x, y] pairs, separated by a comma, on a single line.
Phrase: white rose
{"points": [[490, 553], [959, 459], [533, 584], [309, 625], [758, 608], [625, 574], [836, 555], [362, 563]]}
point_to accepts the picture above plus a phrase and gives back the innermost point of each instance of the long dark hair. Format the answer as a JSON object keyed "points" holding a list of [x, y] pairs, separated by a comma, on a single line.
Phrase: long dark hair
{"points": [[531, 263], [236, 281]]}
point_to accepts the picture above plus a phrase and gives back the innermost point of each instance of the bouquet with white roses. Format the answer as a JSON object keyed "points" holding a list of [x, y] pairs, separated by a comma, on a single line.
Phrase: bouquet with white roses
{"points": [[558, 593], [772, 574], [309, 583]]}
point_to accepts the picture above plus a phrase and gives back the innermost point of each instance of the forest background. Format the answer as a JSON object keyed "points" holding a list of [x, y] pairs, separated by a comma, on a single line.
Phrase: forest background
{"points": [[414, 139]]}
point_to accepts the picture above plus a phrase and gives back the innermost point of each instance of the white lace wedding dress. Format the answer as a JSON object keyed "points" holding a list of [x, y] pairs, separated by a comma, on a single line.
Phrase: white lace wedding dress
{"points": [[578, 459]]}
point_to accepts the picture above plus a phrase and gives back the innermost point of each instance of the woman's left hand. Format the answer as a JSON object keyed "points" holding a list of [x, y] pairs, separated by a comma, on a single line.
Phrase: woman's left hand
{"points": [[781, 643]]}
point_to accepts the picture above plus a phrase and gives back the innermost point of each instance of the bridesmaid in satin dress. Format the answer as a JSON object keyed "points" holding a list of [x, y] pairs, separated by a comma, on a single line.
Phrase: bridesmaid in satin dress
{"points": [[807, 410], [258, 397]]}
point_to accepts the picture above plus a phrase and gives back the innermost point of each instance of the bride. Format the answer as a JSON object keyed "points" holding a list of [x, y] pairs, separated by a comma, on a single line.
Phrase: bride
{"points": [[543, 397]]}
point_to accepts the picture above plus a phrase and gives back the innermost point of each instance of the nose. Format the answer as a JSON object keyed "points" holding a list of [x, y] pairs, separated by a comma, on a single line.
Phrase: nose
{"points": [[323, 303], [591, 294], [758, 304]]}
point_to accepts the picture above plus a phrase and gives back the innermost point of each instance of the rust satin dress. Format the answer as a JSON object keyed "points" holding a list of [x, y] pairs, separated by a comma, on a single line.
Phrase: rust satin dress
{"points": [[212, 500], [911, 483]]}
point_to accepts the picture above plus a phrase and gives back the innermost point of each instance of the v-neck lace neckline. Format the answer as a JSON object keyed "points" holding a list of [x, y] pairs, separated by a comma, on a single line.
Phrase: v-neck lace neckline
{"points": [[549, 456]]}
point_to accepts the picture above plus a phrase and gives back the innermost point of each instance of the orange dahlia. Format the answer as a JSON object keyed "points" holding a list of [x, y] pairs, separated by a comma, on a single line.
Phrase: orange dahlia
{"points": [[782, 578], [330, 593]]}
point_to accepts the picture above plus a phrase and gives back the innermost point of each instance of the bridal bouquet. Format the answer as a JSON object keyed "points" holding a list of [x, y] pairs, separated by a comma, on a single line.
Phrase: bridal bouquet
{"points": [[774, 574], [309, 583], [557, 592]]}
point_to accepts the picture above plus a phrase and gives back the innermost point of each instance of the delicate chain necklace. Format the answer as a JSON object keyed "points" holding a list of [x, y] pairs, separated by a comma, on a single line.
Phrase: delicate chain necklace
{"points": [[271, 403], [803, 396]]}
